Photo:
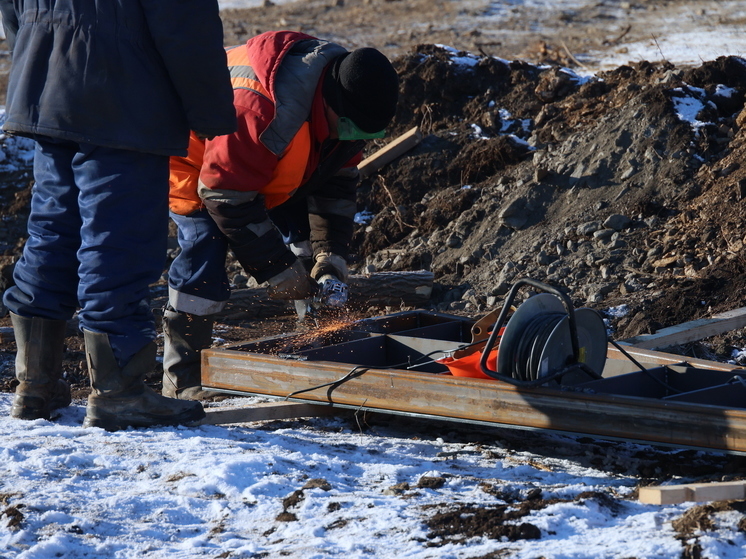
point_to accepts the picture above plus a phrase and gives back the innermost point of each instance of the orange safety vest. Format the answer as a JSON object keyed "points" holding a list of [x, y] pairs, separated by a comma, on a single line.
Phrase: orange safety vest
{"points": [[286, 177]]}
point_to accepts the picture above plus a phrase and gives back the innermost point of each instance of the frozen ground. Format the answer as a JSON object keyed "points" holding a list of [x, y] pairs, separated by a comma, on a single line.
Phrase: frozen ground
{"points": [[602, 35], [321, 488]]}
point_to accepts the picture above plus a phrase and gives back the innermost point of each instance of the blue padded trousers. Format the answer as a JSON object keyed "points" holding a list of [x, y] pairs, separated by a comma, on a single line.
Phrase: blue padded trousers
{"points": [[97, 240], [197, 281]]}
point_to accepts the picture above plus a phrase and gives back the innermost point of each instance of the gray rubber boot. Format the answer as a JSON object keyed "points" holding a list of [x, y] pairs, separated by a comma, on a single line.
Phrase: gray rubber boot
{"points": [[40, 343], [120, 398], [184, 337]]}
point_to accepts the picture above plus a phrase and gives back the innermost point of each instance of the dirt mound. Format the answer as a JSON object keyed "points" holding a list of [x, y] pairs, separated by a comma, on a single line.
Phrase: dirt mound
{"points": [[621, 189]]}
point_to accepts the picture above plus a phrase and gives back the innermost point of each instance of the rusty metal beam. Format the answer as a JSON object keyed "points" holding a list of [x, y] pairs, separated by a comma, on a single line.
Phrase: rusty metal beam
{"points": [[485, 401]]}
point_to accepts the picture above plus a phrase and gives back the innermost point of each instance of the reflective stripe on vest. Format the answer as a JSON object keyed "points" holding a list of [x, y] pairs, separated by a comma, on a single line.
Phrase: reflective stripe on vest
{"points": [[242, 73], [291, 167]]}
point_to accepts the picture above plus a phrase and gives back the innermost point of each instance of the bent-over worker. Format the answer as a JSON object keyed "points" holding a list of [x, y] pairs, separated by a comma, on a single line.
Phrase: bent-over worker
{"points": [[281, 187]]}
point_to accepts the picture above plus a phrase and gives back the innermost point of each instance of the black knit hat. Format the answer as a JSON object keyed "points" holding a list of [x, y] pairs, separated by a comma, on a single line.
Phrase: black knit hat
{"points": [[362, 85]]}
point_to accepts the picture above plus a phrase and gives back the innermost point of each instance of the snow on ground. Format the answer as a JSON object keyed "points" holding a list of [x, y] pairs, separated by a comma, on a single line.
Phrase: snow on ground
{"points": [[317, 488], [684, 48], [709, 40]]}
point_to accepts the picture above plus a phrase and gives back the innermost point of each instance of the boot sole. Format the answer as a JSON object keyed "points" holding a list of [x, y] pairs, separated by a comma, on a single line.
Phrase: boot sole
{"points": [[35, 407], [29, 412], [111, 422]]}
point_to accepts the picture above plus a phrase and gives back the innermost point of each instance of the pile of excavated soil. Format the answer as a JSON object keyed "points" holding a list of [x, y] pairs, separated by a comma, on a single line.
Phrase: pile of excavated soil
{"points": [[624, 190]]}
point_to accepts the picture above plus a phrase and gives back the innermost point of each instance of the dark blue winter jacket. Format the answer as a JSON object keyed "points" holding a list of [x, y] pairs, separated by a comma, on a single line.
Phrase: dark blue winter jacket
{"points": [[128, 74]]}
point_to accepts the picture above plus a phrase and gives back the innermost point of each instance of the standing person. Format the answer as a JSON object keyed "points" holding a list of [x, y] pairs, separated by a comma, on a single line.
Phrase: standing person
{"points": [[287, 176], [109, 91]]}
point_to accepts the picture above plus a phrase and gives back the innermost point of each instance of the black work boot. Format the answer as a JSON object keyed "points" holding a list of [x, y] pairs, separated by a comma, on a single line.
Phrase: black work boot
{"points": [[184, 337], [120, 398], [40, 343]]}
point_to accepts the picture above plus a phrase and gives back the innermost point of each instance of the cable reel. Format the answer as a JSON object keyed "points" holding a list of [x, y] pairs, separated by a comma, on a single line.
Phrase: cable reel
{"points": [[546, 340]]}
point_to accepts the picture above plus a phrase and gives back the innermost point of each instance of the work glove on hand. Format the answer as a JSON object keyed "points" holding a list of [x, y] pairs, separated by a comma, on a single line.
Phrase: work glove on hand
{"points": [[329, 264], [330, 271], [292, 283]]}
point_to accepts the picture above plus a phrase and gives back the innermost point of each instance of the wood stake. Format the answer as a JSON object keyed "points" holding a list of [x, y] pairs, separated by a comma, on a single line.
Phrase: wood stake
{"points": [[390, 151], [675, 494]]}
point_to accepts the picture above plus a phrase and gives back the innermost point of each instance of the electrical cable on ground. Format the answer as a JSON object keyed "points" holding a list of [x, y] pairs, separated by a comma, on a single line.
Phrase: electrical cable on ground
{"points": [[360, 370]]}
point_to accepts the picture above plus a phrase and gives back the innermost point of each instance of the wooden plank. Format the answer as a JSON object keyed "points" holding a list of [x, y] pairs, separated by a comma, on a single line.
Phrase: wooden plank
{"points": [[663, 495], [675, 494], [484, 401], [691, 331], [410, 288], [617, 363], [265, 412], [390, 151], [719, 491]]}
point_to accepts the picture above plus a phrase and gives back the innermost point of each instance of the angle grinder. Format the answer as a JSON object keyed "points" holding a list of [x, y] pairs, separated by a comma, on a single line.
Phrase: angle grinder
{"points": [[332, 293]]}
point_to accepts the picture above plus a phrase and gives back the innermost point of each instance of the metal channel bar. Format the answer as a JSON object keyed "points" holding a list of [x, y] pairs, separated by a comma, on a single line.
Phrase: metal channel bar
{"points": [[475, 400]]}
